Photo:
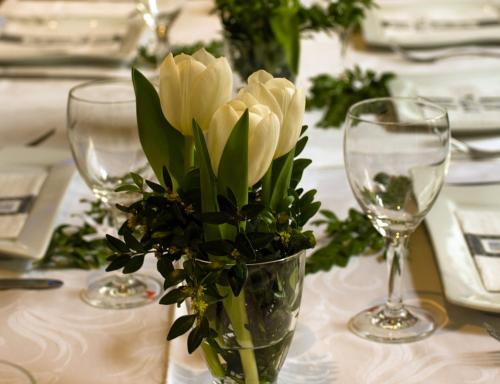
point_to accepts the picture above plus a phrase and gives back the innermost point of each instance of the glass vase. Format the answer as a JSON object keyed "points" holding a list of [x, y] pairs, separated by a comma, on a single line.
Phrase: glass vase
{"points": [[248, 57], [255, 328]]}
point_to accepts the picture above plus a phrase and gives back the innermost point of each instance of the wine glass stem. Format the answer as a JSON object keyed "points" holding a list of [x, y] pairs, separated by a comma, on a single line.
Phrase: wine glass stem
{"points": [[396, 253]]}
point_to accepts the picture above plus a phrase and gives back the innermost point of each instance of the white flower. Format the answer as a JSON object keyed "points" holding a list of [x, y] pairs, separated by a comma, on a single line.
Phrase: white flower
{"points": [[284, 99], [193, 87], [263, 136]]}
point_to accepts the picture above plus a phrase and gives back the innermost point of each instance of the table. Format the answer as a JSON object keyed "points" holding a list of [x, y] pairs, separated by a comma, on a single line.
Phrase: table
{"points": [[60, 340]]}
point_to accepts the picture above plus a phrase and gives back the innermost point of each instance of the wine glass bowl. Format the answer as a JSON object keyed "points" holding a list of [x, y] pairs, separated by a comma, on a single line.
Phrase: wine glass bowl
{"points": [[396, 153], [104, 140]]}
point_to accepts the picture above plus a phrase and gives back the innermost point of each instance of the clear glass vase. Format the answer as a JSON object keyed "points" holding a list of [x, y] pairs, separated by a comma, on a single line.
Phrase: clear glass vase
{"points": [[255, 328], [248, 57]]}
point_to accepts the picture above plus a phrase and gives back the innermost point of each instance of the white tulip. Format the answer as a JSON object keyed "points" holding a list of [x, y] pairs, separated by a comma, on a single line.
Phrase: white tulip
{"points": [[263, 136], [193, 87], [284, 99]]}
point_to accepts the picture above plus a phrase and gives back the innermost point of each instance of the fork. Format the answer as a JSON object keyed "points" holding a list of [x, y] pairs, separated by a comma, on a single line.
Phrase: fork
{"points": [[430, 56]]}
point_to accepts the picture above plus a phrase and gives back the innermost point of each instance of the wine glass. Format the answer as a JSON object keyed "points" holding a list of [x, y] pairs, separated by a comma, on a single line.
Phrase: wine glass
{"points": [[104, 140], [396, 153], [159, 16]]}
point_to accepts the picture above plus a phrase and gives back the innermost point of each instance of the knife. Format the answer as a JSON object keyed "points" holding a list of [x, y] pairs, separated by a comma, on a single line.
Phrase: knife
{"points": [[28, 283]]}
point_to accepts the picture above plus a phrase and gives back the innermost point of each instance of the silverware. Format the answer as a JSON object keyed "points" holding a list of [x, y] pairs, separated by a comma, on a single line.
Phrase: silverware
{"points": [[423, 24], [430, 56], [38, 40], [40, 139], [472, 152], [495, 333], [28, 283]]}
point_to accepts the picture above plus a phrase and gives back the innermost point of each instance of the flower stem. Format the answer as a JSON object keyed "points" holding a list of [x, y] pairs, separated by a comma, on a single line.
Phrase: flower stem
{"points": [[212, 360], [237, 313]]}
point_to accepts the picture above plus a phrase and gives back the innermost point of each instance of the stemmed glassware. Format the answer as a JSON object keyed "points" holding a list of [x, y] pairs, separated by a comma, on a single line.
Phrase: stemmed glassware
{"points": [[159, 16], [103, 136], [396, 153]]}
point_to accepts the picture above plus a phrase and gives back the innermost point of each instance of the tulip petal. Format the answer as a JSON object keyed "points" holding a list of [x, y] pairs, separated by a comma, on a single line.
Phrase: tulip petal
{"points": [[292, 124], [262, 141], [259, 76], [264, 96], [203, 56], [212, 88], [221, 125], [188, 73], [169, 92]]}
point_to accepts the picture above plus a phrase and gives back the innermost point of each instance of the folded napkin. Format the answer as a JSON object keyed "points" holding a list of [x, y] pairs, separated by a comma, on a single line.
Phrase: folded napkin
{"points": [[482, 233], [18, 190]]}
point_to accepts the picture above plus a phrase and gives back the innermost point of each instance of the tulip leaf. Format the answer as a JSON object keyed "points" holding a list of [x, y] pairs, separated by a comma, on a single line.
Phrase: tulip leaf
{"points": [[233, 167], [208, 183], [162, 143], [281, 176]]}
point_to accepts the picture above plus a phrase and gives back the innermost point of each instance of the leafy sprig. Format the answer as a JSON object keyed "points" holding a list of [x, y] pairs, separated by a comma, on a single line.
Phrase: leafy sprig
{"points": [[346, 14], [337, 94], [79, 245], [347, 238]]}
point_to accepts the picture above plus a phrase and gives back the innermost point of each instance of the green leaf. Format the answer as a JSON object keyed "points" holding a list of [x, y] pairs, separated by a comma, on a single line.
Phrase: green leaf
{"points": [[128, 188], [207, 177], [175, 296], [162, 143], [174, 278], [281, 176], [237, 276], [164, 266], [285, 26], [180, 326], [233, 166], [218, 247], [197, 335], [134, 264], [215, 217], [167, 180], [138, 180], [117, 263], [132, 242], [155, 187], [117, 244]]}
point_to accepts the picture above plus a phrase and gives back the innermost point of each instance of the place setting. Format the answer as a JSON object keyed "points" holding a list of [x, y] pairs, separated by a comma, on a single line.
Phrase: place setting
{"points": [[219, 210]]}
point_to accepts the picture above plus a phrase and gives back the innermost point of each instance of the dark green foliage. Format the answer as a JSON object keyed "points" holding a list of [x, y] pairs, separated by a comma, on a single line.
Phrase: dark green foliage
{"points": [[263, 32], [336, 95], [350, 237], [172, 226]]}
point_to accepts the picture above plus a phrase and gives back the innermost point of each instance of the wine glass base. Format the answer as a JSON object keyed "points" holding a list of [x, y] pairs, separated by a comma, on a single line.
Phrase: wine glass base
{"points": [[114, 291], [413, 324]]}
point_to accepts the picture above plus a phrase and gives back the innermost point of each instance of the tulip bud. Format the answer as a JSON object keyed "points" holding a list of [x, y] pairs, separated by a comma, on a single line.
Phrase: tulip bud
{"points": [[263, 136], [284, 99], [193, 87]]}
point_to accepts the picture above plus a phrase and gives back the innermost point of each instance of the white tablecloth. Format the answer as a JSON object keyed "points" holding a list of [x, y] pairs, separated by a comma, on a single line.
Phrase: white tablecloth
{"points": [[60, 340]]}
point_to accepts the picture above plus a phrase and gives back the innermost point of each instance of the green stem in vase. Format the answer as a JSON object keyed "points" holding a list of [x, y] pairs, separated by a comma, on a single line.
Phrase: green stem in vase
{"points": [[212, 360], [237, 314]]}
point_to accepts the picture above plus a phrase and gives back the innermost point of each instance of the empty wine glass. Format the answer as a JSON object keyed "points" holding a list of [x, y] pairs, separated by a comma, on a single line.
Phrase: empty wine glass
{"points": [[103, 136], [396, 153], [159, 16]]}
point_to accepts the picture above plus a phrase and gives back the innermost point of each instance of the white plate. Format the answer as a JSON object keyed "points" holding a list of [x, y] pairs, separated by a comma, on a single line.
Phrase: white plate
{"points": [[61, 32], [430, 23], [471, 97], [461, 280], [37, 231]]}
